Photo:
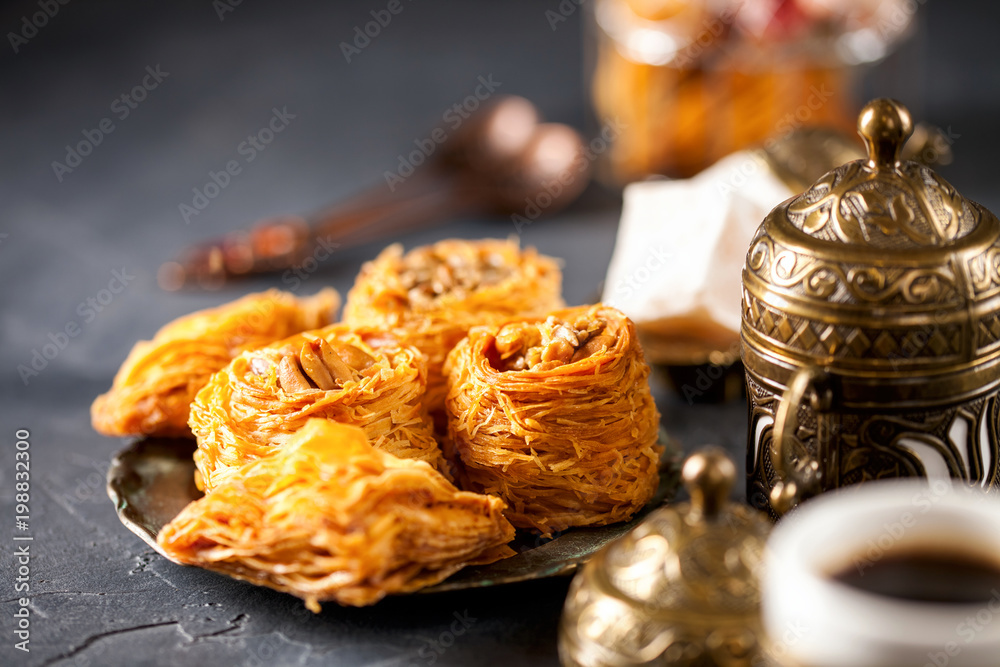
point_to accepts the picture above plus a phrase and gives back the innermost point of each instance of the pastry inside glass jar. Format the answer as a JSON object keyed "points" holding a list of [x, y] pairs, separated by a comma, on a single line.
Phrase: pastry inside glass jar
{"points": [[153, 390], [556, 417], [362, 377], [329, 517], [431, 296]]}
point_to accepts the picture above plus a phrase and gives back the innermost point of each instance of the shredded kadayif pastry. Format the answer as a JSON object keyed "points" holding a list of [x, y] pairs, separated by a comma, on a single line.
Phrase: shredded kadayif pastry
{"points": [[436, 293], [361, 377], [329, 517], [153, 390], [556, 418]]}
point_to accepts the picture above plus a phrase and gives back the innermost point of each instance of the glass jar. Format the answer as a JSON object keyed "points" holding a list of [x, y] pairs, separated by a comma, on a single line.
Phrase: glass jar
{"points": [[686, 82]]}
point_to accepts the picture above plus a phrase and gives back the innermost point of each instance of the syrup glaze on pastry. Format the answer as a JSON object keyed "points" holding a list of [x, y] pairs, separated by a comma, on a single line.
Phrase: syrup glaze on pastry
{"points": [[556, 417], [366, 378], [329, 517], [152, 391]]}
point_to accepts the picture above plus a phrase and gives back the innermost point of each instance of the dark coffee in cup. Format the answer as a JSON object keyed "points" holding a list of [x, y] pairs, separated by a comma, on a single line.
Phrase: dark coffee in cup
{"points": [[897, 572], [931, 574]]}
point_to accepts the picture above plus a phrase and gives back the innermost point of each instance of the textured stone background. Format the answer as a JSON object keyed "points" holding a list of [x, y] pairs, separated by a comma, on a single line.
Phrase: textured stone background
{"points": [[99, 595]]}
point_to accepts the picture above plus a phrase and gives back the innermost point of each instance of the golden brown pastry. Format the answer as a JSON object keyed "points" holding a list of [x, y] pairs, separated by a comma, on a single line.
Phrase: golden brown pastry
{"points": [[556, 418], [361, 377], [154, 387], [328, 517], [436, 293]]}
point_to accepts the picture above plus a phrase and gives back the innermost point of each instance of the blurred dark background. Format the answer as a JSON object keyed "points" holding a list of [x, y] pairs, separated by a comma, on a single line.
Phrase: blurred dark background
{"points": [[100, 596], [352, 120]]}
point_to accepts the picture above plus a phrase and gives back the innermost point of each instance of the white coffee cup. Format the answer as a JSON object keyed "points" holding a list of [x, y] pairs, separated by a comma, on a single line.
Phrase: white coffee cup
{"points": [[814, 620]]}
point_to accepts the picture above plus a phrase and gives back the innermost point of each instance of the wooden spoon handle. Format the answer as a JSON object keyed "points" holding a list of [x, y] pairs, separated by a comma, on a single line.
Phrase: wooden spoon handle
{"points": [[283, 242]]}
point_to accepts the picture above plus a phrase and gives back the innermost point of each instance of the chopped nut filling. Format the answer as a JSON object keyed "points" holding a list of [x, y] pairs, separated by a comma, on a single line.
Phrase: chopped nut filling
{"points": [[427, 275], [552, 343], [317, 367]]}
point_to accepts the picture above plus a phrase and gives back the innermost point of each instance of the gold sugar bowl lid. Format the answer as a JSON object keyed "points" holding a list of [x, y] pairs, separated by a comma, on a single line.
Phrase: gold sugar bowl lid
{"points": [[681, 588], [882, 274]]}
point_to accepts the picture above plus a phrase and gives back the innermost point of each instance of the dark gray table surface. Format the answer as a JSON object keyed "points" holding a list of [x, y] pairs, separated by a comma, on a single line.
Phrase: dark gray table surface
{"points": [[99, 596]]}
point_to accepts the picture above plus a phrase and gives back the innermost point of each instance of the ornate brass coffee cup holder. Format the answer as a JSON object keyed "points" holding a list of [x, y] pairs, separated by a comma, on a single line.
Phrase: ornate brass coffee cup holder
{"points": [[871, 329]]}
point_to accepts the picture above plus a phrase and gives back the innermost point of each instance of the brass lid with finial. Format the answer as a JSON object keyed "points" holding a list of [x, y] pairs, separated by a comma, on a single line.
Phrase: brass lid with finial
{"points": [[681, 587], [881, 272]]}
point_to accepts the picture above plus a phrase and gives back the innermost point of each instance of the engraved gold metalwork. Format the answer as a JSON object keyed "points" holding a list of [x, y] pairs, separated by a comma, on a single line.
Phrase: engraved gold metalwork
{"points": [[871, 302], [680, 589]]}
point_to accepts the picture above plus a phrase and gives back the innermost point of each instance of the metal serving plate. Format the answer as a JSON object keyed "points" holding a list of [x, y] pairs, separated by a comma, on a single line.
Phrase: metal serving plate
{"points": [[152, 480]]}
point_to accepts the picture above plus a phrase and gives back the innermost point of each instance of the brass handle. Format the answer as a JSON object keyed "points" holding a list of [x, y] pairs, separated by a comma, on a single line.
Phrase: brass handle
{"points": [[802, 478]]}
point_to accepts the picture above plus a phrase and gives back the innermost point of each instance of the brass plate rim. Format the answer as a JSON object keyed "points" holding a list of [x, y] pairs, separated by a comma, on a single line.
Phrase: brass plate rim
{"points": [[559, 556]]}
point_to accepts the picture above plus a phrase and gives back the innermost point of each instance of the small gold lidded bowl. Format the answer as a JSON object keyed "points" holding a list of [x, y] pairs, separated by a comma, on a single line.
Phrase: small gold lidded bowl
{"points": [[871, 329], [680, 589]]}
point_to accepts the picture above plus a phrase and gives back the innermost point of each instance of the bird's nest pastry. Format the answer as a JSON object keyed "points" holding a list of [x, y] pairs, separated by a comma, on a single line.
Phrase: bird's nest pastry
{"points": [[328, 517], [433, 295], [360, 377], [152, 391], [556, 417]]}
